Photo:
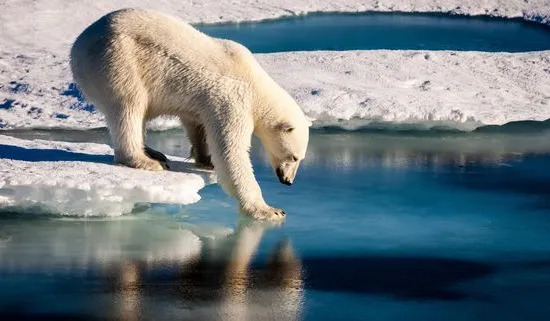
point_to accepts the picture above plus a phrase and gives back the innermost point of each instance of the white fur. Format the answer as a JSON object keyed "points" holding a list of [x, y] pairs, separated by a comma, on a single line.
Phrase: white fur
{"points": [[135, 65]]}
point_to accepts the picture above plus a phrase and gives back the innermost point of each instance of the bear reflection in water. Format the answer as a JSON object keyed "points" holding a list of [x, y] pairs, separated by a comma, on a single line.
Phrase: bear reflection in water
{"points": [[218, 284], [144, 269]]}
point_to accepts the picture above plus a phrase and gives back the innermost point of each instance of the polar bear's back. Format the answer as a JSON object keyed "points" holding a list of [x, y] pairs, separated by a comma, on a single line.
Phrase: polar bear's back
{"points": [[160, 29], [145, 28], [154, 54]]}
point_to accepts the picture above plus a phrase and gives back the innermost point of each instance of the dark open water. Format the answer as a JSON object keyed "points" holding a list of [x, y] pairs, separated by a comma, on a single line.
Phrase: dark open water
{"points": [[381, 226]]}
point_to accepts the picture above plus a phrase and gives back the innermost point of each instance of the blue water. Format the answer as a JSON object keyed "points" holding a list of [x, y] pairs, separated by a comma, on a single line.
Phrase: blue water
{"points": [[386, 31], [380, 226]]}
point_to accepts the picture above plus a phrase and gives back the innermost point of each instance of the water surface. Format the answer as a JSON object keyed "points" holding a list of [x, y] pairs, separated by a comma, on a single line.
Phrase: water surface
{"points": [[380, 227], [402, 31]]}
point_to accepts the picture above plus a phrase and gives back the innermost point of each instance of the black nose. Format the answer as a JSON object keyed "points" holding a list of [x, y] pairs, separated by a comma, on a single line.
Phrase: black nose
{"points": [[281, 177]]}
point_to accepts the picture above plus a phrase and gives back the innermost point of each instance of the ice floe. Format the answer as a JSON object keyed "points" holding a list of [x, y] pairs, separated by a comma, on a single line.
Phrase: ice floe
{"points": [[80, 179], [53, 24], [350, 89], [347, 89]]}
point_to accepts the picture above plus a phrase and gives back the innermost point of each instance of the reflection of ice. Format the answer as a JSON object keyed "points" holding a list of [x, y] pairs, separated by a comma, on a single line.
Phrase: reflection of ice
{"points": [[160, 269], [67, 244], [352, 151]]}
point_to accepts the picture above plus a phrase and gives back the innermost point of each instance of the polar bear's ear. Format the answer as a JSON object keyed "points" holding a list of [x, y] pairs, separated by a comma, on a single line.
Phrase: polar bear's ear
{"points": [[285, 127], [309, 121]]}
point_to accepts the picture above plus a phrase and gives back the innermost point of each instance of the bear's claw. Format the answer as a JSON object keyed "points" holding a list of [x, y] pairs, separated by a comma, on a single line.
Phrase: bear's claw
{"points": [[154, 154], [266, 213]]}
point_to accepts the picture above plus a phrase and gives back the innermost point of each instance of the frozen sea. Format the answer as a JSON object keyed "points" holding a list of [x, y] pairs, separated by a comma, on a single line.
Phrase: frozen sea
{"points": [[381, 225]]}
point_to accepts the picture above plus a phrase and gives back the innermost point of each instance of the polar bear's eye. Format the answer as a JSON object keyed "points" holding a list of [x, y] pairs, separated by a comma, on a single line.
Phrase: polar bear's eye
{"points": [[294, 158], [285, 127]]}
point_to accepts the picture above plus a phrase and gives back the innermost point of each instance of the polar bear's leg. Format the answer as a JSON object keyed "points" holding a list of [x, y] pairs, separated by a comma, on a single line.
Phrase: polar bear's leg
{"points": [[229, 146], [199, 147], [126, 128], [153, 153]]}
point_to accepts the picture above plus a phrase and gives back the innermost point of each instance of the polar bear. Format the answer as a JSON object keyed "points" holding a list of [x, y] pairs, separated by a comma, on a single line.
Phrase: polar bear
{"points": [[135, 65]]}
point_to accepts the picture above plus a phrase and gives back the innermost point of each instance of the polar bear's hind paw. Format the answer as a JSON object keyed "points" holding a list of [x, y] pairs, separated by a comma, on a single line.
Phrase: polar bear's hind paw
{"points": [[204, 163], [155, 154], [145, 163]]}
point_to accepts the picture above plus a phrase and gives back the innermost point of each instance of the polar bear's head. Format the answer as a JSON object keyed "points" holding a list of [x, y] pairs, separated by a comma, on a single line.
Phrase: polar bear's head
{"points": [[286, 146]]}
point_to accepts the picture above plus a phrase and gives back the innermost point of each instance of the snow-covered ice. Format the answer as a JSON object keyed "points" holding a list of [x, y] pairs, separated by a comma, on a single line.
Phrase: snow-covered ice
{"points": [[457, 89], [349, 89], [80, 179], [53, 24]]}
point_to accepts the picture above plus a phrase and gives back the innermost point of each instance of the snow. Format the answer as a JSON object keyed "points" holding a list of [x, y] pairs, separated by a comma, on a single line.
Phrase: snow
{"points": [[80, 179], [347, 89], [53, 24], [457, 89]]}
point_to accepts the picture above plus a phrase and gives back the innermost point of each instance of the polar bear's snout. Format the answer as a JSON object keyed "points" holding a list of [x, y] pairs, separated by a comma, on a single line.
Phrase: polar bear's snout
{"points": [[286, 172], [286, 145]]}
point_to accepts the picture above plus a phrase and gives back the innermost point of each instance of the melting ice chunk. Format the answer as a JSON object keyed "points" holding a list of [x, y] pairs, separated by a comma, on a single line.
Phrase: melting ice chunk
{"points": [[81, 179]]}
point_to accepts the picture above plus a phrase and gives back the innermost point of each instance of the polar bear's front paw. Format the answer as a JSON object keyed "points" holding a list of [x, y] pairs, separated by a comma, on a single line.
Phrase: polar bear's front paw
{"points": [[266, 213]]}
